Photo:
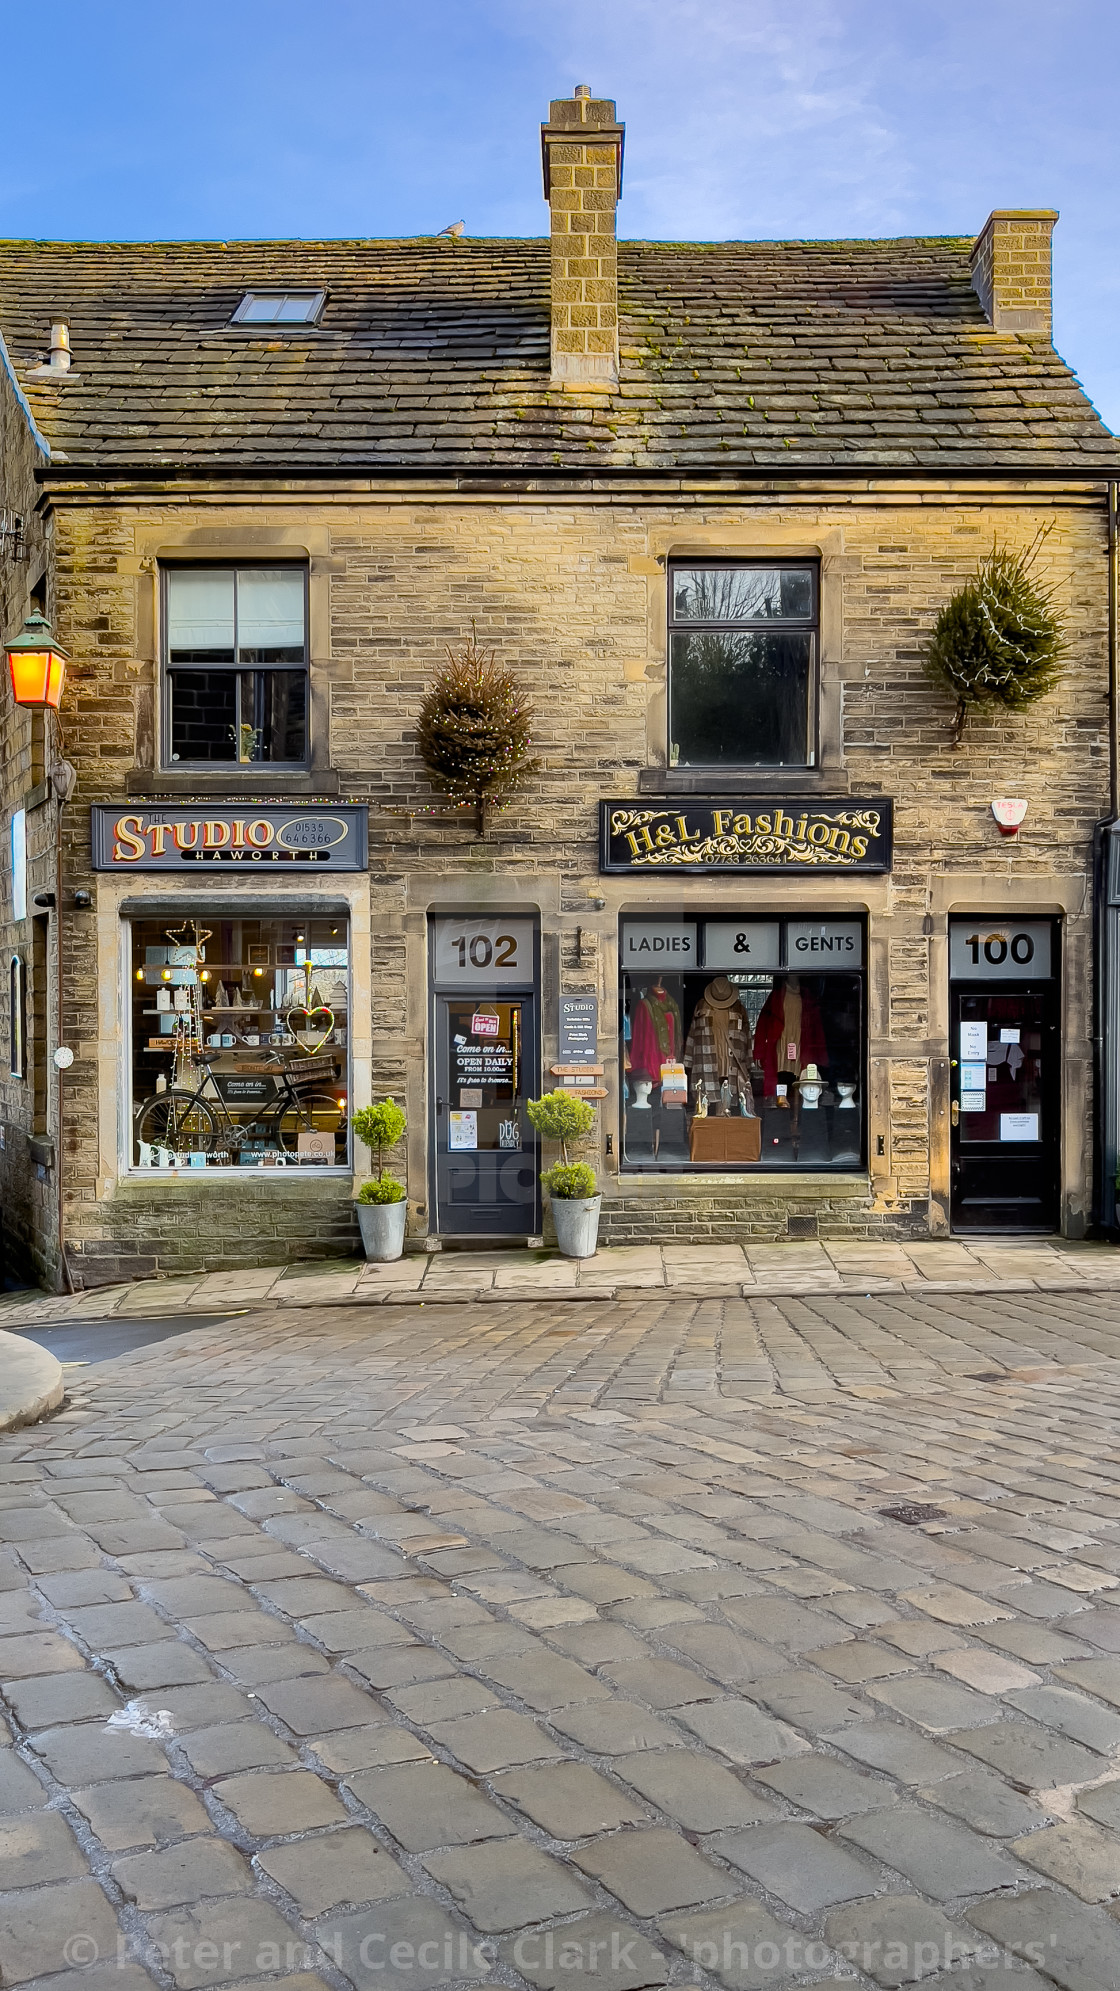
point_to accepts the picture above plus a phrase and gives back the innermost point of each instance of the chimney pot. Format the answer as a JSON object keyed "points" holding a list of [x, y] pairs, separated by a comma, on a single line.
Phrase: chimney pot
{"points": [[1011, 270], [581, 149]]}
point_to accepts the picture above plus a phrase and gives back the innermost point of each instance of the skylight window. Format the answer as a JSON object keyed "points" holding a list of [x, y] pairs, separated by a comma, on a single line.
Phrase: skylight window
{"points": [[279, 307]]}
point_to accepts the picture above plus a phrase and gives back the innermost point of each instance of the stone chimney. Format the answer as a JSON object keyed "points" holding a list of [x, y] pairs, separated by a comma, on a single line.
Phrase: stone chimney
{"points": [[581, 147], [1011, 269]]}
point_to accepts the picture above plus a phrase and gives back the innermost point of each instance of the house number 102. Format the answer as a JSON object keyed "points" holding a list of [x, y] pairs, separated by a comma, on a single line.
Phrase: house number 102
{"points": [[480, 950]]}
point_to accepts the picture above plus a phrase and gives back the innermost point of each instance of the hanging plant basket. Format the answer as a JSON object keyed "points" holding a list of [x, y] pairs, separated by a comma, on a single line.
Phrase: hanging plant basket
{"points": [[474, 731], [999, 640]]}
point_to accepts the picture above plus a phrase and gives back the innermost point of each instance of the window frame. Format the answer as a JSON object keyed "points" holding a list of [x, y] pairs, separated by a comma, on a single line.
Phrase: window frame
{"points": [[809, 625], [17, 1016], [316, 297], [237, 768]]}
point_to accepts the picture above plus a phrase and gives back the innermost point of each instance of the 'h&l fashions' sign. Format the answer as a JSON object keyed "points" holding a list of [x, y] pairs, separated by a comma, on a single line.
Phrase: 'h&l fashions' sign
{"points": [[167, 839], [745, 834]]}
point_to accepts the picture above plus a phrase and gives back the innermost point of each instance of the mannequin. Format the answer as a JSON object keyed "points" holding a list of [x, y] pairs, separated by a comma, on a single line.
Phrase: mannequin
{"points": [[718, 1052], [788, 1040], [789, 1034], [656, 1038]]}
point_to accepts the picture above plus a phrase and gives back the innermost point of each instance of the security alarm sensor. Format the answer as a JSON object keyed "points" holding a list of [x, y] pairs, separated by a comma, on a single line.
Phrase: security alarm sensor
{"points": [[64, 1057], [1009, 813]]}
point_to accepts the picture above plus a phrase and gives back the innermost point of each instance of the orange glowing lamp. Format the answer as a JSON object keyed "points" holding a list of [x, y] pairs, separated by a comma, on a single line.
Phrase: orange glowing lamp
{"points": [[37, 666]]}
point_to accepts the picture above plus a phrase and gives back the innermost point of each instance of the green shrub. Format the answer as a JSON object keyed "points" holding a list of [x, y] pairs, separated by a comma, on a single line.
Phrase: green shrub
{"points": [[573, 1179], [561, 1116], [380, 1128], [382, 1189], [998, 640]]}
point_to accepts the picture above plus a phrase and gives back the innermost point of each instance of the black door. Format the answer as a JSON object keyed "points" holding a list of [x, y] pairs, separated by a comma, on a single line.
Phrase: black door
{"points": [[1005, 1094], [486, 1152]]}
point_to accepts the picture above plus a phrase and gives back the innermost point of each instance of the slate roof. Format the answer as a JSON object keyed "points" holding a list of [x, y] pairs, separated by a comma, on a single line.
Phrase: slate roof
{"points": [[429, 354]]}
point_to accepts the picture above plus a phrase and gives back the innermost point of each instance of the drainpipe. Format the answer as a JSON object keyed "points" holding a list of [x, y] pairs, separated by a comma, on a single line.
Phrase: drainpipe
{"points": [[63, 780], [1106, 920]]}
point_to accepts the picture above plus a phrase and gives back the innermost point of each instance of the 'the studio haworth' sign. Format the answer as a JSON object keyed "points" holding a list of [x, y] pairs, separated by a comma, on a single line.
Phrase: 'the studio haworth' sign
{"points": [[167, 839], [746, 834]]}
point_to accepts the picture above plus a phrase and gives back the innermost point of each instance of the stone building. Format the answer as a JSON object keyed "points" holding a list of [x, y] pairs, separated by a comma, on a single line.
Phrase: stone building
{"points": [[706, 499]]}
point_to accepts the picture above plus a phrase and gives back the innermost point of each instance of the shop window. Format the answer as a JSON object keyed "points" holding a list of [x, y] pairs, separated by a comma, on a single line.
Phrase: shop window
{"points": [[239, 1042], [742, 1043], [235, 665], [742, 665]]}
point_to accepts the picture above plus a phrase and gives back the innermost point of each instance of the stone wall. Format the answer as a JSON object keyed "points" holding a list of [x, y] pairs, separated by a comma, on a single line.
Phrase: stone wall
{"points": [[572, 594]]}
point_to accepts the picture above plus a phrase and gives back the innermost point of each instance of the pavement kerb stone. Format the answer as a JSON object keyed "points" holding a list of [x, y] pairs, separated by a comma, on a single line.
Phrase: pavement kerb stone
{"points": [[30, 1382]]}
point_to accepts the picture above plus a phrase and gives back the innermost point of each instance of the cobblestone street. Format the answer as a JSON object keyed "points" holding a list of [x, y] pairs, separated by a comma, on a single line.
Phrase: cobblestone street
{"points": [[733, 1642]]}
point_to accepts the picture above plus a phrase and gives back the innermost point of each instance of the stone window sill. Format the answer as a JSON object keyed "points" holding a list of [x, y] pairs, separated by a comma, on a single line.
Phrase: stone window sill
{"points": [[746, 1182], [170, 782], [743, 781]]}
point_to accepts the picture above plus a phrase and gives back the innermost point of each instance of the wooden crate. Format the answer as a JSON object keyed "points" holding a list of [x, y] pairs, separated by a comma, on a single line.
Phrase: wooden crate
{"points": [[719, 1140]]}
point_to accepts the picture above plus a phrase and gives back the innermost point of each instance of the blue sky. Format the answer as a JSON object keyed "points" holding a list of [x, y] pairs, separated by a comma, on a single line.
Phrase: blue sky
{"points": [[235, 118]]}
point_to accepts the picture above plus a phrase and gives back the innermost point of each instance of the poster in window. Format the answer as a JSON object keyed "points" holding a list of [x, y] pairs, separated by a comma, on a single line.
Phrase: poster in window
{"points": [[974, 1041], [1018, 1126], [462, 1132]]}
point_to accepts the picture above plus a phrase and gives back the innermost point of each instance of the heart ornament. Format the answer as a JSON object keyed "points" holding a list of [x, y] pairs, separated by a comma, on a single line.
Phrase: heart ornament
{"points": [[310, 1024]]}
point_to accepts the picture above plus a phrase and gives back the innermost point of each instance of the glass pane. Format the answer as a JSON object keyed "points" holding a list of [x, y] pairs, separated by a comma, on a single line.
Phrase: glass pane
{"points": [[273, 725], [295, 310], [270, 615], [203, 715], [739, 699], [199, 616], [252, 1051], [999, 1046], [277, 308], [741, 1070], [741, 594]]}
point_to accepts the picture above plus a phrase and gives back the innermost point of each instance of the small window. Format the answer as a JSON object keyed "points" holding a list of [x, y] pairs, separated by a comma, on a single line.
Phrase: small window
{"points": [[742, 665], [279, 307], [236, 664], [17, 1018]]}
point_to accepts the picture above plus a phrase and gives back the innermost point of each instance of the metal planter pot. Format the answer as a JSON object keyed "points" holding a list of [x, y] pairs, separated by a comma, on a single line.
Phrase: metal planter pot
{"points": [[382, 1227], [577, 1224]]}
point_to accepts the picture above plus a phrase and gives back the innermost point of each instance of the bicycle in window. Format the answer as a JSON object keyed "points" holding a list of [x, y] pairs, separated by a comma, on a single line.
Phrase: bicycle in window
{"points": [[198, 1121]]}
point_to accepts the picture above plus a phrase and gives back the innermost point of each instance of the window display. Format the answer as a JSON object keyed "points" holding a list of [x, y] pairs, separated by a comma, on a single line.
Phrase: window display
{"points": [[730, 1065], [239, 1042]]}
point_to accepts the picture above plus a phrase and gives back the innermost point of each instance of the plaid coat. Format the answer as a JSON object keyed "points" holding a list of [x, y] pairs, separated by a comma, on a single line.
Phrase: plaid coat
{"points": [[700, 1053]]}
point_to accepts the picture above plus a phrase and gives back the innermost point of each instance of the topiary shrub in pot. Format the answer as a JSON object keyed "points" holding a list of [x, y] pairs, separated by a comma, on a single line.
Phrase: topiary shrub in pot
{"points": [[382, 1208], [562, 1116]]}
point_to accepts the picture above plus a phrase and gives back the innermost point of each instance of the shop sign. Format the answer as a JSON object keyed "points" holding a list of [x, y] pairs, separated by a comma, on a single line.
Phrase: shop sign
{"points": [[1015, 950], [579, 1029], [658, 943], [745, 834], [824, 943], [241, 1089], [473, 953], [170, 839], [742, 944]]}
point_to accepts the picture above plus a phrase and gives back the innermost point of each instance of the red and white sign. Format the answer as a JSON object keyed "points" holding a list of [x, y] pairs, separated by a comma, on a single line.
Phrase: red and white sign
{"points": [[483, 1024]]}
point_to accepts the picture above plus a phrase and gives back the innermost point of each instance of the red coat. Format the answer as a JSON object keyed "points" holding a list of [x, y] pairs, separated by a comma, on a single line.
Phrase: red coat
{"points": [[769, 1037]]}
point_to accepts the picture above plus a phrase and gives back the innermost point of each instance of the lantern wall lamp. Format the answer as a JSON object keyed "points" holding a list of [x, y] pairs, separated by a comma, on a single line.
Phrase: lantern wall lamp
{"points": [[36, 665]]}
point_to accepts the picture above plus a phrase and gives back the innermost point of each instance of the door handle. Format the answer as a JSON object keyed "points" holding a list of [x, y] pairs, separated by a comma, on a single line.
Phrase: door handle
{"points": [[955, 1113], [439, 1104]]}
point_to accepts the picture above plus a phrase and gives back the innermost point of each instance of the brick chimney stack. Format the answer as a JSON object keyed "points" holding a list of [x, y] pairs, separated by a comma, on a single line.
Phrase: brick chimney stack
{"points": [[581, 147], [1011, 269]]}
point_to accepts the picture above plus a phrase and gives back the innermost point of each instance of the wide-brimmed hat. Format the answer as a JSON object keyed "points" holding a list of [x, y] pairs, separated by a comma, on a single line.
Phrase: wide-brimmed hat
{"points": [[810, 1074], [721, 993]]}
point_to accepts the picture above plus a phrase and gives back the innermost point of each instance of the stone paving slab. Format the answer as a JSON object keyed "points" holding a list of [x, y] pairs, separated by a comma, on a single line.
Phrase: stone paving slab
{"points": [[720, 1642], [919, 1268]]}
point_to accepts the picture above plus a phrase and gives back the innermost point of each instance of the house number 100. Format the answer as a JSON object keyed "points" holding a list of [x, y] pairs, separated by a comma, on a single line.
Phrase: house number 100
{"points": [[481, 953], [995, 948]]}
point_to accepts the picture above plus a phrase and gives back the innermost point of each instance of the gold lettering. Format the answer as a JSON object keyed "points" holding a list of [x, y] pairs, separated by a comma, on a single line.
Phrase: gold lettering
{"points": [[129, 844], [238, 832], [819, 833], [838, 840], [158, 833], [215, 835], [665, 836], [801, 830], [643, 841], [783, 824], [259, 833], [182, 840], [762, 825], [859, 846], [687, 835], [742, 826]]}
